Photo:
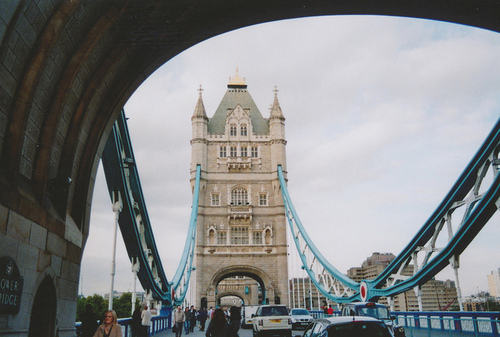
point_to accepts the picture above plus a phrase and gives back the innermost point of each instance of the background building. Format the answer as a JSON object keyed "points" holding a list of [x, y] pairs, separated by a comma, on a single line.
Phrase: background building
{"points": [[436, 295], [494, 283], [304, 294]]}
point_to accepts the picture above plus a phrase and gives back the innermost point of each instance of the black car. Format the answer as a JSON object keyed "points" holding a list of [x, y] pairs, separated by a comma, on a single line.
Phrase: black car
{"points": [[353, 326], [376, 310]]}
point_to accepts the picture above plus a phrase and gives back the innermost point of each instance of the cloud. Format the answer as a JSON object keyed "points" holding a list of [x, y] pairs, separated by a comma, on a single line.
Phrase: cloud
{"points": [[382, 115]]}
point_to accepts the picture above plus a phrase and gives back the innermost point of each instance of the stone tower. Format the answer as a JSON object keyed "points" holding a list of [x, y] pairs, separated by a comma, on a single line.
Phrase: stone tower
{"points": [[241, 221]]}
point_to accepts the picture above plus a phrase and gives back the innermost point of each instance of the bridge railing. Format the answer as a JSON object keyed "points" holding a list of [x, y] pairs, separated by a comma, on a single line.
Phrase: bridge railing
{"points": [[158, 324], [442, 323], [450, 323]]}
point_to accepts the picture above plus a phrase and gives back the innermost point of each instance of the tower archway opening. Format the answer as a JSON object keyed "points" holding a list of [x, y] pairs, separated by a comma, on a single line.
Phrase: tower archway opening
{"points": [[240, 290], [43, 312]]}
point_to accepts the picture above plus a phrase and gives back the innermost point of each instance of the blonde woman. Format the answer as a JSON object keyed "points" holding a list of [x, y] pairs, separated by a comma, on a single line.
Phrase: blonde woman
{"points": [[110, 327]]}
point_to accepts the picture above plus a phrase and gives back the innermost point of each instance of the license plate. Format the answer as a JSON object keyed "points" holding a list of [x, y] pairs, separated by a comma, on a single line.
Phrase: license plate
{"points": [[276, 321]]}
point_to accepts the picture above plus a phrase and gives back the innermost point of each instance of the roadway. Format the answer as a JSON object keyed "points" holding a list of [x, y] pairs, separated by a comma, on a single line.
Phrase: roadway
{"points": [[197, 333], [248, 333]]}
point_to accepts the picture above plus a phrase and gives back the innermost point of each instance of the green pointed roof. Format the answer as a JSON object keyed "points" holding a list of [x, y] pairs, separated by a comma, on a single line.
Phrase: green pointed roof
{"points": [[237, 93]]}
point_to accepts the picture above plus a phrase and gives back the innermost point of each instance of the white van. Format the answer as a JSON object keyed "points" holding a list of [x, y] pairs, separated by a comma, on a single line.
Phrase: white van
{"points": [[246, 315]]}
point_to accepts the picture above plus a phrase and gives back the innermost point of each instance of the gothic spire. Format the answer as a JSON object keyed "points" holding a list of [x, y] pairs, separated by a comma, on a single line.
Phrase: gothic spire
{"points": [[276, 108], [199, 110]]}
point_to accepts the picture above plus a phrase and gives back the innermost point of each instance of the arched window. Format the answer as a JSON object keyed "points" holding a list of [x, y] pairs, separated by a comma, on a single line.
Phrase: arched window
{"points": [[243, 129], [232, 130], [239, 196]]}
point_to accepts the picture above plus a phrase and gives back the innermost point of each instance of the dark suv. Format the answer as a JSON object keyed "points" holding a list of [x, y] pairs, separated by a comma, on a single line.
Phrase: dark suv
{"points": [[376, 310], [347, 327]]}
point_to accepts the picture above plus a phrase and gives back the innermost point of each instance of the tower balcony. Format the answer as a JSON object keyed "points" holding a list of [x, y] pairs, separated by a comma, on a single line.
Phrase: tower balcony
{"points": [[239, 211], [239, 164]]}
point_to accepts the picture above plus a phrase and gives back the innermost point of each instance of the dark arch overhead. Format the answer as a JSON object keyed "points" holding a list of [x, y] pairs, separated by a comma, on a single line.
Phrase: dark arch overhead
{"points": [[68, 67]]}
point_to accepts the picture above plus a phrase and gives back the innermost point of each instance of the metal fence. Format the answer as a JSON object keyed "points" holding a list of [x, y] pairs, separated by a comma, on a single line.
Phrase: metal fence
{"points": [[158, 324], [442, 323], [449, 323]]}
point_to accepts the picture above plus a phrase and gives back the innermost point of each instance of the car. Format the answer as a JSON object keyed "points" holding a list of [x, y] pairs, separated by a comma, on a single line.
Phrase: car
{"points": [[343, 326], [376, 310], [301, 318], [272, 320]]}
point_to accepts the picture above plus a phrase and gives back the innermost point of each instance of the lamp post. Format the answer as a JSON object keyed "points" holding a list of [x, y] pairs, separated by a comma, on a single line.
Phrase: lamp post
{"points": [[117, 208], [135, 269]]}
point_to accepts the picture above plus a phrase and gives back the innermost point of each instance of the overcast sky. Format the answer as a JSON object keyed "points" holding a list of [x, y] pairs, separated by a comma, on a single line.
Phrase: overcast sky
{"points": [[382, 116]]}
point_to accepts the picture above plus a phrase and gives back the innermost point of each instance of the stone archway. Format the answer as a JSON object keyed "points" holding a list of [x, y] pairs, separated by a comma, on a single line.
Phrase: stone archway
{"points": [[265, 282], [219, 296]]}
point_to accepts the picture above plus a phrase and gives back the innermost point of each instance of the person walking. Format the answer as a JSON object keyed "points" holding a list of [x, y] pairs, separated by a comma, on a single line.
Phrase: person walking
{"points": [[179, 319], [202, 317], [234, 321], [89, 321], [192, 318], [145, 321], [218, 325], [186, 321], [110, 326], [136, 323]]}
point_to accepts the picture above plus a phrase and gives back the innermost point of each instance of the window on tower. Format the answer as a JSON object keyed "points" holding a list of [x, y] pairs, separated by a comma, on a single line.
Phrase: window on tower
{"points": [[244, 151], [255, 152], [232, 130], [263, 199], [233, 151], [243, 129], [215, 199], [239, 196], [222, 238], [223, 152], [239, 235], [257, 238]]}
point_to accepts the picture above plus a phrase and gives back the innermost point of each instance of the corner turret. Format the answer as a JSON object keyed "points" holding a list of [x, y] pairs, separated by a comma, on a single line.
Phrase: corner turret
{"points": [[199, 125], [277, 133]]}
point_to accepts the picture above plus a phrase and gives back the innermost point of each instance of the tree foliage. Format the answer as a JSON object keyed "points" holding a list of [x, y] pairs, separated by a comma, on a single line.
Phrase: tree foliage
{"points": [[122, 305]]}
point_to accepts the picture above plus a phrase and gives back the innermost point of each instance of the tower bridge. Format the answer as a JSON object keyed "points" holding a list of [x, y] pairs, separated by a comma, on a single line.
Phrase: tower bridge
{"points": [[66, 70]]}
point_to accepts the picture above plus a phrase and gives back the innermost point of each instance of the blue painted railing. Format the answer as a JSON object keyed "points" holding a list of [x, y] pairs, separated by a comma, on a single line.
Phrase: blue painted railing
{"points": [[442, 323], [472, 323], [159, 324]]}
